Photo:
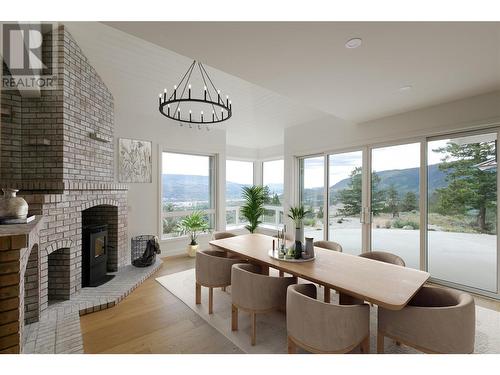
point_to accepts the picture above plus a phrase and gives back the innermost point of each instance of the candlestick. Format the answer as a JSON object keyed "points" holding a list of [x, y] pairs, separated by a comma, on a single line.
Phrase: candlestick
{"points": [[175, 91], [205, 92], [189, 91], [201, 116]]}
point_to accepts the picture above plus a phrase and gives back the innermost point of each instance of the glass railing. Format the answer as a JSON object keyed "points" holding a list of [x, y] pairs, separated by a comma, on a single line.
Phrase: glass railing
{"points": [[273, 216]]}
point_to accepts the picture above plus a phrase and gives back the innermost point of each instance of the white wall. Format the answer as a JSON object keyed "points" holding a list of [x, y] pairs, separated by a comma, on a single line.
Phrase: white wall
{"points": [[330, 133]]}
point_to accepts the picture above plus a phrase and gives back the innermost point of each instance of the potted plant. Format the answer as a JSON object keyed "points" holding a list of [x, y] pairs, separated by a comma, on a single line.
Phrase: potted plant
{"points": [[193, 225], [255, 197], [297, 214]]}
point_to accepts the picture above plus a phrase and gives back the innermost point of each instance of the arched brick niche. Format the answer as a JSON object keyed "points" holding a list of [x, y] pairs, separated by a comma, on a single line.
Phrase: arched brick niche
{"points": [[59, 274], [32, 287]]}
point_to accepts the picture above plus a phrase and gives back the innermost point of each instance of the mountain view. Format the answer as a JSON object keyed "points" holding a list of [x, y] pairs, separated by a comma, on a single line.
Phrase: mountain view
{"points": [[403, 180], [179, 188]]}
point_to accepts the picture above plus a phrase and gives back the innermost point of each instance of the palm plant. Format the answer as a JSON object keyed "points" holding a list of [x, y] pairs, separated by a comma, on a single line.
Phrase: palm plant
{"points": [[193, 225], [255, 197], [297, 214]]}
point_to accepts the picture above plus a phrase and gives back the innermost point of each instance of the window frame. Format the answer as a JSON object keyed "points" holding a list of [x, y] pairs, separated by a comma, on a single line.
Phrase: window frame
{"points": [[213, 189], [254, 182], [281, 209]]}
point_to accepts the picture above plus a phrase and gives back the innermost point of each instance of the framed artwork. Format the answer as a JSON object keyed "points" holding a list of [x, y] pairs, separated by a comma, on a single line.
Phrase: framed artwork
{"points": [[134, 161]]}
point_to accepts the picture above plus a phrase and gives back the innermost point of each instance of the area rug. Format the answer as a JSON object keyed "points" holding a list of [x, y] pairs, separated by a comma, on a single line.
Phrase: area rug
{"points": [[271, 327]]}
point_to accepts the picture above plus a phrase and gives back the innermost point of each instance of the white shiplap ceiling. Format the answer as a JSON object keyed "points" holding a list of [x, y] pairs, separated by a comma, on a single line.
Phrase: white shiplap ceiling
{"points": [[130, 64], [307, 62]]}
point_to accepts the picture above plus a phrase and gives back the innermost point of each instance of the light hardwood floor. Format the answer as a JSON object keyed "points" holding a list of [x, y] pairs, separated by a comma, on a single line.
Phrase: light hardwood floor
{"points": [[153, 320]]}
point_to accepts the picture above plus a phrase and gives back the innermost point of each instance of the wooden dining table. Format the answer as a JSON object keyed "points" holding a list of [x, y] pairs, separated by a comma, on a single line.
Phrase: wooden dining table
{"points": [[386, 285]]}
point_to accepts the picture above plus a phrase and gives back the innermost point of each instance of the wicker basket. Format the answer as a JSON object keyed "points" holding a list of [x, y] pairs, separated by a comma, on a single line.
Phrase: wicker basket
{"points": [[139, 245]]}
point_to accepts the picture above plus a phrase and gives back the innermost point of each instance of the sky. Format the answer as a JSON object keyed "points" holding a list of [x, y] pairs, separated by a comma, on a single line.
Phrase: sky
{"points": [[341, 165], [383, 159]]}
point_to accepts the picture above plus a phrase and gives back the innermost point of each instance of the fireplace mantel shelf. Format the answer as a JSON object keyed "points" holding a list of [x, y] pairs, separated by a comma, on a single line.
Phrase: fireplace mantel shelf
{"points": [[19, 229]]}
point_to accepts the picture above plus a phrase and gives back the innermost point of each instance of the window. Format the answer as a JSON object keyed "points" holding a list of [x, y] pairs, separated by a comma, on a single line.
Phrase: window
{"points": [[273, 174], [345, 179], [312, 194], [395, 201], [238, 175], [188, 184], [462, 210]]}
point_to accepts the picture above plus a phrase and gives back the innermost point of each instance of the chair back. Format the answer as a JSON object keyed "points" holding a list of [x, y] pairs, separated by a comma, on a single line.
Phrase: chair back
{"points": [[222, 235], [383, 256], [330, 245], [256, 292], [213, 268], [324, 327]]}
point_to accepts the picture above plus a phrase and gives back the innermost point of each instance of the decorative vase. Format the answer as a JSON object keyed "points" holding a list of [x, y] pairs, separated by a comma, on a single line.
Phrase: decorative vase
{"points": [[309, 250], [11, 206], [191, 250], [299, 233], [298, 250]]}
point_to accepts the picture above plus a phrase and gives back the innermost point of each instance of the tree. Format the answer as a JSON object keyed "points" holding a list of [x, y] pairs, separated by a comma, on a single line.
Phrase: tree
{"points": [[469, 187], [409, 202], [392, 201], [320, 213], [350, 197], [275, 200]]}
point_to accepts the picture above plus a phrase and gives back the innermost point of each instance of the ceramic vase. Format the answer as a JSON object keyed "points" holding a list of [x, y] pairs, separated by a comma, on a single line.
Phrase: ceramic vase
{"points": [[309, 250], [11, 206]]}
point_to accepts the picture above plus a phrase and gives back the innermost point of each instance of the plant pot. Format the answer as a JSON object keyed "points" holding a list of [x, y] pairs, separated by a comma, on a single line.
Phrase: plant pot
{"points": [[12, 207], [191, 250]]}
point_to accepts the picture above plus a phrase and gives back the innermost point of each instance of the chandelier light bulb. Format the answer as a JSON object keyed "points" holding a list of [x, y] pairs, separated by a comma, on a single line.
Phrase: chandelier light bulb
{"points": [[201, 112], [189, 111], [175, 87], [164, 90], [205, 88], [178, 109], [218, 91], [189, 86]]}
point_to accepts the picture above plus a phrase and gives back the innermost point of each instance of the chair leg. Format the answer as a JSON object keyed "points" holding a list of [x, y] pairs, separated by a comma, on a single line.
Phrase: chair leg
{"points": [[223, 288], [380, 342], [254, 327], [282, 274], [210, 300], [365, 345], [292, 348], [398, 343], [327, 295], [198, 293], [265, 270], [234, 318]]}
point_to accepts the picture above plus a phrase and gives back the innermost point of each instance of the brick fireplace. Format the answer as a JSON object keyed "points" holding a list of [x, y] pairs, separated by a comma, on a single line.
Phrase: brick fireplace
{"points": [[57, 148]]}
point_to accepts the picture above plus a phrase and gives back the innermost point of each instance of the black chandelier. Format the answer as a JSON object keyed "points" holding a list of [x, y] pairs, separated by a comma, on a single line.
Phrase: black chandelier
{"points": [[171, 105]]}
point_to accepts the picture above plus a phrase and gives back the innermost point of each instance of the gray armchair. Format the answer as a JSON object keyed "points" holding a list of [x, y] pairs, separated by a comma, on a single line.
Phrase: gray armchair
{"points": [[213, 269], [321, 327], [436, 320], [256, 293]]}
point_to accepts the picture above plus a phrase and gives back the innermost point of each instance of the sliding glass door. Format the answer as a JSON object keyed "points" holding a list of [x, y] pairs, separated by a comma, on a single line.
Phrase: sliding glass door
{"points": [[462, 210], [433, 202], [395, 182], [345, 188], [312, 186]]}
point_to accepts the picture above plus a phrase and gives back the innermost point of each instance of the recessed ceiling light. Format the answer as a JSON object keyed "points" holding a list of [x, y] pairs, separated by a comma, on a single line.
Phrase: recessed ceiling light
{"points": [[353, 43], [406, 88]]}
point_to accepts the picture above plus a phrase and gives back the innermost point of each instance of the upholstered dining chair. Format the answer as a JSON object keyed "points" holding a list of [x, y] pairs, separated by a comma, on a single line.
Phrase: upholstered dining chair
{"points": [[436, 320], [220, 236], [213, 270], [320, 327], [256, 293], [329, 245], [383, 256]]}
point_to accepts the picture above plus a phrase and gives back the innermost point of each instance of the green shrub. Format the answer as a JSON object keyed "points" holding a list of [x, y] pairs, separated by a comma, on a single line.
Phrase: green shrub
{"points": [[402, 223]]}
